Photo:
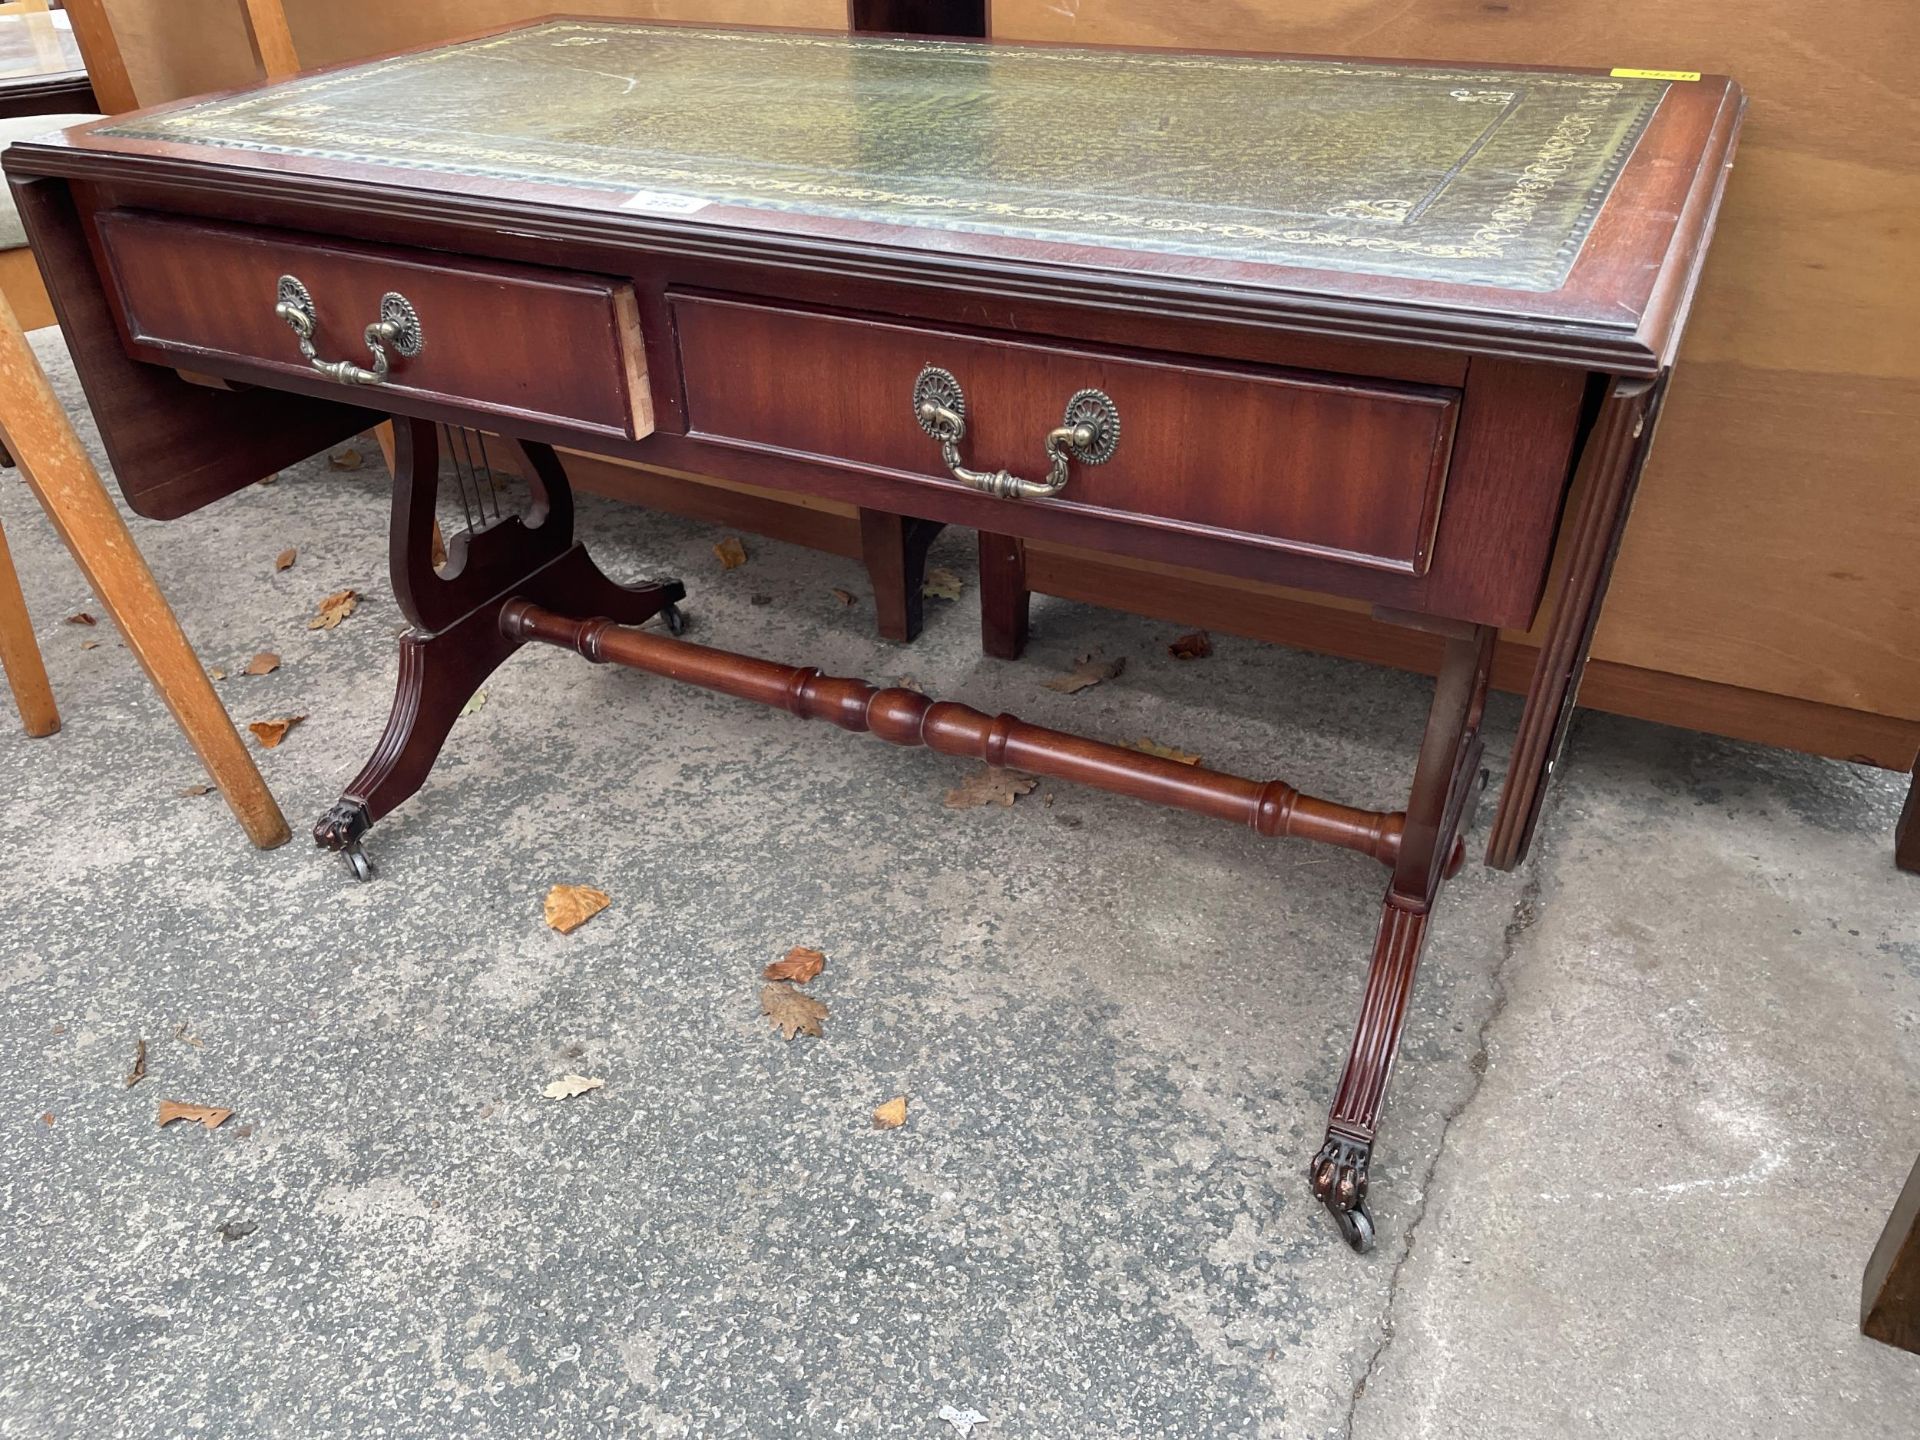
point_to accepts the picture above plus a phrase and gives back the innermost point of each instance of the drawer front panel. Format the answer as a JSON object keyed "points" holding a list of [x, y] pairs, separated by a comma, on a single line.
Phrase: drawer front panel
{"points": [[509, 340], [1348, 470]]}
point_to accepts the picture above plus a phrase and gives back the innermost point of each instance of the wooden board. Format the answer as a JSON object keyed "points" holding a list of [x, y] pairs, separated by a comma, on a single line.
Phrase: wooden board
{"points": [[1773, 544], [173, 48]]}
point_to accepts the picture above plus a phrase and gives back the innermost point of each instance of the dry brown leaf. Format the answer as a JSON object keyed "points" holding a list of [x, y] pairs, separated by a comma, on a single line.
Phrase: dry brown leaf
{"points": [[265, 663], [180, 1033], [284, 560], [892, 1115], [568, 1086], [346, 460], [941, 583], [571, 906], [190, 791], [335, 608], [211, 1116], [800, 964], [47, 1119], [845, 597], [1195, 646], [437, 557], [139, 1071], [1087, 670], [89, 644], [271, 732], [989, 786], [1165, 752], [731, 552], [791, 1012], [81, 617], [214, 672]]}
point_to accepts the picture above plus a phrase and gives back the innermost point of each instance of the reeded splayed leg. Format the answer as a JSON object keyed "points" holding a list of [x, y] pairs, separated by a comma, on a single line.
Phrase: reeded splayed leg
{"points": [[1446, 784], [455, 643]]}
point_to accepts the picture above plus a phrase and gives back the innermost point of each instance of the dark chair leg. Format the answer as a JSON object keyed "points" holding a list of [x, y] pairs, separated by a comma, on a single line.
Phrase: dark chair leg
{"points": [[1446, 784], [1890, 1289], [895, 550], [1003, 596]]}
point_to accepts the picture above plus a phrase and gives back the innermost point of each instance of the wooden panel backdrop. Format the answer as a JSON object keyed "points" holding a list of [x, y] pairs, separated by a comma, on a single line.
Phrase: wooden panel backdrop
{"points": [[1769, 587], [1775, 546]]}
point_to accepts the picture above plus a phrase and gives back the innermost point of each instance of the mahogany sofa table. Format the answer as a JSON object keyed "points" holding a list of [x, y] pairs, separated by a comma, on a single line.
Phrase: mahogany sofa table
{"points": [[1384, 331]]}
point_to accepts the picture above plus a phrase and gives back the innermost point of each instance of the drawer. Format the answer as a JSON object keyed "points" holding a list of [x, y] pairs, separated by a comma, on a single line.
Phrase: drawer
{"points": [[513, 341], [1347, 470]]}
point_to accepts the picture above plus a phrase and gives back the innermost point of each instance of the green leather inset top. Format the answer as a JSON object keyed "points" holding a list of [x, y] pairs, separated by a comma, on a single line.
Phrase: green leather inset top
{"points": [[1481, 176]]}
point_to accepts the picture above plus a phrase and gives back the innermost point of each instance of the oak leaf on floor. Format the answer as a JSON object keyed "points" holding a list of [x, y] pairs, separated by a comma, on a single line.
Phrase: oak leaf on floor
{"points": [[731, 552], [800, 964], [89, 644], [792, 1013], [845, 597], [81, 617], [1088, 670], [571, 906], [190, 791], [211, 1116], [335, 608], [892, 1115], [265, 663], [346, 460], [568, 1086], [271, 732], [988, 786], [284, 560], [941, 584], [1165, 752], [139, 1071], [1195, 646]]}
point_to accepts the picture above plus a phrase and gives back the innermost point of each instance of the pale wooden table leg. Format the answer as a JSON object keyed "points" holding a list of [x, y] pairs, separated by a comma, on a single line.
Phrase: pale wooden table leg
{"points": [[20, 654], [49, 453]]}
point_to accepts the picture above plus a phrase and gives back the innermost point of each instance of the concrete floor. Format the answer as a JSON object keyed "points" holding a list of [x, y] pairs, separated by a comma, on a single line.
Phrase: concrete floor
{"points": [[1659, 1093]]}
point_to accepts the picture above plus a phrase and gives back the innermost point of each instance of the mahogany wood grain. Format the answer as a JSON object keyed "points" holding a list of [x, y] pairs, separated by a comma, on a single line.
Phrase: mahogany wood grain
{"points": [[38, 433], [173, 446], [20, 654], [906, 717], [1241, 453], [510, 343], [1610, 464], [1890, 1288]]}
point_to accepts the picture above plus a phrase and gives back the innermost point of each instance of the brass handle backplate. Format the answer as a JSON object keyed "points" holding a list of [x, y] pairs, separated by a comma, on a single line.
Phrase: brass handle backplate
{"points": [[1089, 433], [398, 326]]}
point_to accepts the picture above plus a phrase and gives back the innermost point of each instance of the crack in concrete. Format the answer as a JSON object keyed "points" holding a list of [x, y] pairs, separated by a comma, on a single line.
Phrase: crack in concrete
{"points": [[1526, 913]]}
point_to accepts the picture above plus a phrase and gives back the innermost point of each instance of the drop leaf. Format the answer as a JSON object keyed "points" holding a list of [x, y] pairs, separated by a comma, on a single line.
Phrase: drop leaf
{"points": [[284, 560], [271, 732], [346, 460], [571, 906], [988, 786], [1087, 670], [265, 663], [792, 1013], [731, 552], [845, 597], [941, 584], [474, 702], [81, 617], [800, 964], [139, 1070], [892, 1115]]}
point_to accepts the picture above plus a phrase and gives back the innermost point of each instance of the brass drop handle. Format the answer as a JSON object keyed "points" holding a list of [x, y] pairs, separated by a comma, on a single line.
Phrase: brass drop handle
{"points": [[398, 326], [1089, 433]]}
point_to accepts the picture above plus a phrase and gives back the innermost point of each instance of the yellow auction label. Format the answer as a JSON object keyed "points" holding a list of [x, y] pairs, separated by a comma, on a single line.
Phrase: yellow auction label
{"points": [[1624, 74]]}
